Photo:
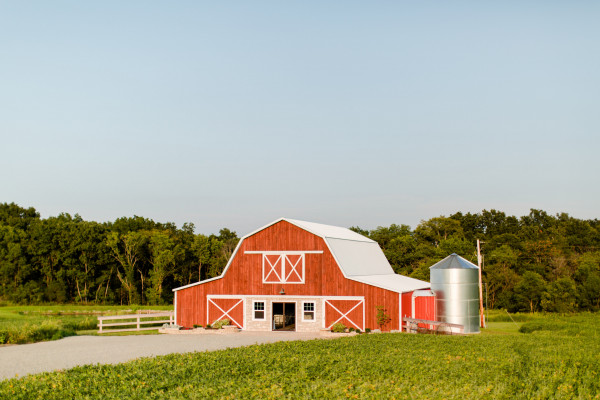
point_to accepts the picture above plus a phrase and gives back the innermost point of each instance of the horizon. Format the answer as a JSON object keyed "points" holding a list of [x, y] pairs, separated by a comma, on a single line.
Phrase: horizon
{"points": [[241, 234]]}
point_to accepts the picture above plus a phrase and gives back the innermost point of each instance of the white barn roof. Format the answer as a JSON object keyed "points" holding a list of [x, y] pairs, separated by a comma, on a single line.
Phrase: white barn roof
{"points": [[360, 258], [328, 231]]}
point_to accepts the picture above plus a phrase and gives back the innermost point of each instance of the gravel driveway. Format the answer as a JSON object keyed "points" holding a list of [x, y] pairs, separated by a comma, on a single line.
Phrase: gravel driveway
{"points": [[80, 350]]}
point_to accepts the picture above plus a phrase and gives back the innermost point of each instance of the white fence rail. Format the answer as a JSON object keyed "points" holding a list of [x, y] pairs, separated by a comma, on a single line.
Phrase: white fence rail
{"points": [[135, 321], [412, 326]]}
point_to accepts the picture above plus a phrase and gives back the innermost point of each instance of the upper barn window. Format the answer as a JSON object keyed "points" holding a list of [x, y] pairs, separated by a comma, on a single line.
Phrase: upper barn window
{"points": [[283, 266]]}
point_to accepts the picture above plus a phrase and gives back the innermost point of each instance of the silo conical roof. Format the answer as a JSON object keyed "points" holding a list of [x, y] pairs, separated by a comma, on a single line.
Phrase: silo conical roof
{"points": [[454, 261]]}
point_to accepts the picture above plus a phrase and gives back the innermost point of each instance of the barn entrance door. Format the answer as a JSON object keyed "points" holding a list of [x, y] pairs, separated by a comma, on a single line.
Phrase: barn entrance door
{"points": [[284, 316]]}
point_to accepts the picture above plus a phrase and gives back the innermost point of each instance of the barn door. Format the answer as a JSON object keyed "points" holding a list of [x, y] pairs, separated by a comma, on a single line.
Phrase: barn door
{"points": [[229, 308], [284, 316], [348, 312]]}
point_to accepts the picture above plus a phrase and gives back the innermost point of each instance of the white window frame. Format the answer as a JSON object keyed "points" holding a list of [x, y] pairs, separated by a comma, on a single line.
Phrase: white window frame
{"points": [[314, 311], [264, 310], [283, 269]]}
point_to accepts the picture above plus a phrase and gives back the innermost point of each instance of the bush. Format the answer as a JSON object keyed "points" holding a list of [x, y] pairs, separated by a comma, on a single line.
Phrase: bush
{"points": [[220, 324], [338, 328], [543, 325], [368, 330]]}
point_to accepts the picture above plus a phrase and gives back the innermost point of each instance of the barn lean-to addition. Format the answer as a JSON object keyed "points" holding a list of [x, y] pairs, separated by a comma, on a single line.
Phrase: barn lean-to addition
{"points": [[304, 276]]}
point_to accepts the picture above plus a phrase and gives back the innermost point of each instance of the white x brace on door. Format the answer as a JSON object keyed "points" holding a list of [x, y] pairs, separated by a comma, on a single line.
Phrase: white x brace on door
{"points": [[225, 308], [283, 266], [348, 312]]}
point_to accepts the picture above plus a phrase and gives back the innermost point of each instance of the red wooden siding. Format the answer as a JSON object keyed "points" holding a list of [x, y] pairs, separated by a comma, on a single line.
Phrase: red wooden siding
{"points": [[322, 277], [407, 305], [425, 307]]}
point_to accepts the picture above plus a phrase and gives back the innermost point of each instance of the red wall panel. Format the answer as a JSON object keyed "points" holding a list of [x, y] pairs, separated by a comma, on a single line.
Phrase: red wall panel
{"points": [[425, 308]]}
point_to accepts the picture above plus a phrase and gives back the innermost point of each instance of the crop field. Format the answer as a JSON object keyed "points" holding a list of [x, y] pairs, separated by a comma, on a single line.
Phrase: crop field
{"points": [[543, 357], [27, 324]]}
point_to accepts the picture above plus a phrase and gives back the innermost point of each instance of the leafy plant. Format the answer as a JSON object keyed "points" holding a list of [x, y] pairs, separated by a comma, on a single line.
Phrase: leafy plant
{"points": [[382, 317], [220, 323], [338, 328]]}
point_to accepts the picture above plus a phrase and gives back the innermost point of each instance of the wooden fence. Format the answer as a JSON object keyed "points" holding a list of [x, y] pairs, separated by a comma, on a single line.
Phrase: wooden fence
{"points": [[135, 322], [412, 326]]}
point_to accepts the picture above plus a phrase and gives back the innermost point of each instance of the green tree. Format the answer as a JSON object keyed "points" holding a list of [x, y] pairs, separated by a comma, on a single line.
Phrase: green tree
{"points": [[561, 296], [128, 252], [164, 255], [437, 229], [529, 291], [587, 278]]}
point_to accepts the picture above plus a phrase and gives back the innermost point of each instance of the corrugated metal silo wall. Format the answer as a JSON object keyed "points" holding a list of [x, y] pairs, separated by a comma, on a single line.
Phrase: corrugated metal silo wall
{"points": [[457, 296]]}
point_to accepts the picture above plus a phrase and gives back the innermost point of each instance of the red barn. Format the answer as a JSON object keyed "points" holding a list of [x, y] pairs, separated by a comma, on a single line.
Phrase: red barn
{"points": [[296, 275]]}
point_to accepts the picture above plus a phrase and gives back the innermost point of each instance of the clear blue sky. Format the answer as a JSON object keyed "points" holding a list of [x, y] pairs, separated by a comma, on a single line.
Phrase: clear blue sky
{"points": [[232, 114]]}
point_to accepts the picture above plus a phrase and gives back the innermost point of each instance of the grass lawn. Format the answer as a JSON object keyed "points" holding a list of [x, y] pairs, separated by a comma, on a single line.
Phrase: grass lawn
{"points": [[26, 324], [558, 357]]}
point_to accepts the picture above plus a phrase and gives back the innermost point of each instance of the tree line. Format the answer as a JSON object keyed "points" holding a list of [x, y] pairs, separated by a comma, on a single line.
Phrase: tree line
{"points": [[538, 262], [129, 261], [532, 263]]}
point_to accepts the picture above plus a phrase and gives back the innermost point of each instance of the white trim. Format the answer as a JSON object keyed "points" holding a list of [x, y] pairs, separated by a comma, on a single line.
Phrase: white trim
{"points": [[323, 308], [286, 252], [400, 311], [264, 310], [245, 314], [314, 311], [272, 269], [197, 283], [175, 308], [423, 293], [293, 297]]}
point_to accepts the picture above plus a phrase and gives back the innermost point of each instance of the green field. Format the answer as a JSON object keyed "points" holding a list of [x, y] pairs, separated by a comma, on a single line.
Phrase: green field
{"points": [[558, 357], [26, 324]]}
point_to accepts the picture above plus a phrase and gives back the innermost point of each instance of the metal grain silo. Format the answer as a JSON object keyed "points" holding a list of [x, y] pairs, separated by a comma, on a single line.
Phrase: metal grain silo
{"points": [[455, 282]]}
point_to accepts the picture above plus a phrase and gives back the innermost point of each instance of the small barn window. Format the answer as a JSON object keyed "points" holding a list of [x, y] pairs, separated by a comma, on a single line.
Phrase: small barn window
{"points": [[308, 312], [259, 311], [283, 268]]}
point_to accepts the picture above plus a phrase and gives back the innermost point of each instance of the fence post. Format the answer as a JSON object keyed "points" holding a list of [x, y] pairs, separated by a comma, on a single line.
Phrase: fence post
{"points": [[100, 320], [138, 322]]}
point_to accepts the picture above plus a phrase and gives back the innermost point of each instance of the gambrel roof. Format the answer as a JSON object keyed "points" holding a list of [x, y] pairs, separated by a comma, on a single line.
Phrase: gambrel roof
{"points": [[360, 258]]}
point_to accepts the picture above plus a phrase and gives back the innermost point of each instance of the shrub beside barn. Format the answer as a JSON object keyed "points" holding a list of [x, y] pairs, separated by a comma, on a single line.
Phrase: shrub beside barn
{"points": [[304, 276]]}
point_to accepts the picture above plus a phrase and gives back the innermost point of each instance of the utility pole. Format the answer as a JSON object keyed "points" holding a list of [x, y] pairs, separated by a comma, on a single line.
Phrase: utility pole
{"points": [[479, 264]]}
